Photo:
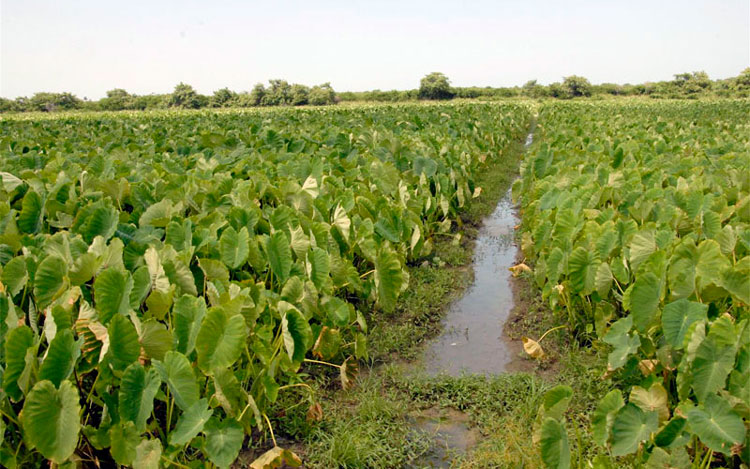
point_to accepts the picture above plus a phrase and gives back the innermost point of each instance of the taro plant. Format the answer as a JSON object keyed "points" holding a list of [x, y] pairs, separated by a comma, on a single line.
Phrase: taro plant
{"points": [[165, 277], [636, 219]]}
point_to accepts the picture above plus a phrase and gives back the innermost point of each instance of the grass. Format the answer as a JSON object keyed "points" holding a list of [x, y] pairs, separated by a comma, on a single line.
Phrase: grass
{"points": [[369, 425]]}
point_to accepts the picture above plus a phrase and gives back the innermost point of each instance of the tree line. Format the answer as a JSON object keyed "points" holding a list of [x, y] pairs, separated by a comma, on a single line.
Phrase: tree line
{"points": [[683, 86], [434, 86], [184, 96]]}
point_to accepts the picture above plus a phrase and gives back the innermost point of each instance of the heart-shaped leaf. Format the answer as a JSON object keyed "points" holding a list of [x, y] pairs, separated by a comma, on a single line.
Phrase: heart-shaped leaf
{"points": [[50, 420]]}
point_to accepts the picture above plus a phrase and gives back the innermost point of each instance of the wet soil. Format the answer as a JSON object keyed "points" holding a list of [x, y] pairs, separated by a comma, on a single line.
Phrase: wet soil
{"points": [[450, 433], [474, 338], [472, 341]]}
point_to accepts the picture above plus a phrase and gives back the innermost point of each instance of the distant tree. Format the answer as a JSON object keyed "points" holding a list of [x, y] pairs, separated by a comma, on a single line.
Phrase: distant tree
{"points": [[279, 93], [48, 102], [435, 86], [299, 95], [532, 89], [609, 88], [692, 83], [184, 96], [576, 86], [557, 90], [9, 105], [223, 98], [257, 95], [321, 95], [117, 99], [151, 101], [742, 81]]}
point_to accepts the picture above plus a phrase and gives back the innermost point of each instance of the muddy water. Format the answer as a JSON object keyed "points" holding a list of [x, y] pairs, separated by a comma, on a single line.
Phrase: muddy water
{"points": [[450, 435], [472, 340]]}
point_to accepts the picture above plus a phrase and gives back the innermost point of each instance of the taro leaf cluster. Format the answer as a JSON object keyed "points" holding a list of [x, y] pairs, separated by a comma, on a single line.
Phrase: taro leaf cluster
{"points": [[637, 219], [164, 276]]}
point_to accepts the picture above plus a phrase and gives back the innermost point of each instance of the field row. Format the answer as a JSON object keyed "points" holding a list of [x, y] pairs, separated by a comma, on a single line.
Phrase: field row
{"points": [[636, 219], [165, 276]]}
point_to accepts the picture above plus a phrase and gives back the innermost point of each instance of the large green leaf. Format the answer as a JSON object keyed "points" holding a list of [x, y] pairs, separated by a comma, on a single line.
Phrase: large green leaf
{"points": [[603, 281], [141, 287], [279, 255], [229, 393], [138, 388], [604, 416], [102, 221], [642, 300], [582, 268], [191, 423], [155, 339], [677, 318], [223, 441], [319, 267], [712, 364], [50, 420], [736, 282], [30, 219], [296, 331], [179, 274], [556, 401], [180, 235], [389, 278], [49, 280], [717, 425], [631, 427], [14, 275], [188, 313], [624, 344], [711, 263], [112, 293], [124, 438], [148, 455], [61, 358], [670, 432], [124, 348], [234, 247], [220, 340], [554, 445], [641, 247], [18, 345], [176, 371]]}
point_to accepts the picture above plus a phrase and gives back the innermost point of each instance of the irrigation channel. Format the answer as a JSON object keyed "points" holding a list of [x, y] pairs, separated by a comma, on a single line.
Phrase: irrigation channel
{"points": [[473, 340]]}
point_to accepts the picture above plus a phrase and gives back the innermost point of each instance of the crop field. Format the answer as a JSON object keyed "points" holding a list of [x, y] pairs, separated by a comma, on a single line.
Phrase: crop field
{"points": [[636, 219], [166, 276], [178, 288]]}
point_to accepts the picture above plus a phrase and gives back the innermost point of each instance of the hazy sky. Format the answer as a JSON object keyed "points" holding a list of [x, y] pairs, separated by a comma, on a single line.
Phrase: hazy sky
{"points": [[88, 47]]}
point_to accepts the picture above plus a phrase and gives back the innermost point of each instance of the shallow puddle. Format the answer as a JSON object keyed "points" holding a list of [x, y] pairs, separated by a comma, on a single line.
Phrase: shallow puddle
{"points": [[450, 434], [472, 340]]}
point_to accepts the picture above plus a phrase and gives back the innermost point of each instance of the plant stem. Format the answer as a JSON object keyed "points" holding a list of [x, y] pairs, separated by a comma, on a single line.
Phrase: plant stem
{"points": [[270, 429], [551, 330], [7, 416], [308, 360]]}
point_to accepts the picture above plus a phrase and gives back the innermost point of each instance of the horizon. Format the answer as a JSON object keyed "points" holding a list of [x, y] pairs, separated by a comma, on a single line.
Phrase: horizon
{"points": [[148, 49]]}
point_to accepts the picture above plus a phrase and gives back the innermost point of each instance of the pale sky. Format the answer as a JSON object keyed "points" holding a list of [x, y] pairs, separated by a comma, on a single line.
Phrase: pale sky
{"points": [[88, 47]]}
